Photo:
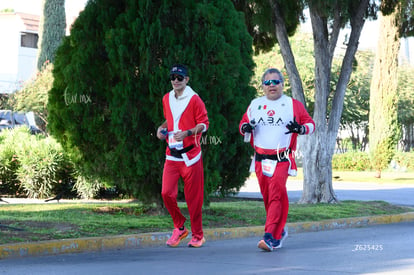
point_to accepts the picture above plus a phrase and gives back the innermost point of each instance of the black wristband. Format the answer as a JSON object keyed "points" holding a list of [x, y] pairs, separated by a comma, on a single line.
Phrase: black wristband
{"points": [[303, 130], [189, 133]]}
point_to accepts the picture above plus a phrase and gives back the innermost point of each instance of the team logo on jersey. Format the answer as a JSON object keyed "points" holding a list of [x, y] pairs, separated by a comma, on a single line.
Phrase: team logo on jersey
{"points": [[271, 113], [271, 121]]}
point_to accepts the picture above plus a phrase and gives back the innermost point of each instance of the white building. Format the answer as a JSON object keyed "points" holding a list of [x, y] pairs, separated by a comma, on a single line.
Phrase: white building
{"points": [[406, 52], [19, 36]]}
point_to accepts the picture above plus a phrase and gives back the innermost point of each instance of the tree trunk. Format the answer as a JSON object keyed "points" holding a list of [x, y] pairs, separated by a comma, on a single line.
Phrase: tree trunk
{"points": [[318, 148], [287, 54], [317, 170]]}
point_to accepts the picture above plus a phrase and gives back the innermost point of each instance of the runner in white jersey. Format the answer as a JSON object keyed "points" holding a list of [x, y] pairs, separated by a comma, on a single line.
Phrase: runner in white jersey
{"points": [[274, 122]]}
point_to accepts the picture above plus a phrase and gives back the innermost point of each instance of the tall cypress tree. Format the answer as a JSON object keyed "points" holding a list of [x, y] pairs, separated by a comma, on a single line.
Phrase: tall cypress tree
{"points": [[383, 119], [383, 123], [52, 30], [112, 71]]}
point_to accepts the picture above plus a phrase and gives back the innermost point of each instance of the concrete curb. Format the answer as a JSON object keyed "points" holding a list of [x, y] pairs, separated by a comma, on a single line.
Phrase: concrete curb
{"points": [[55, 247]]}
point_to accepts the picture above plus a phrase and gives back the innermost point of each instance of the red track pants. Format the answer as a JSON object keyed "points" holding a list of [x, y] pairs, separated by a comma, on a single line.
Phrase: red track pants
{"points": [[275, 197], [193, 178]]}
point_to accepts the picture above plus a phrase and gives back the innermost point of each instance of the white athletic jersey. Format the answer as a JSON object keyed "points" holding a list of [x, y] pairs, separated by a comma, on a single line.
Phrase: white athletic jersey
{"points": [[271, 118]]}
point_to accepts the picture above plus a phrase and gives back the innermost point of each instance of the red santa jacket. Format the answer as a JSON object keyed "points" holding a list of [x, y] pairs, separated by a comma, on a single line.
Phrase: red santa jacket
{"points": [[184, 113]]}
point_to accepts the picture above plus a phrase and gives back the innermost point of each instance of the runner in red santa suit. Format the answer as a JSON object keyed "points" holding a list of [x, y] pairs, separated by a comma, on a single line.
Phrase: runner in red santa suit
{"points": [[274, 122], [186, 120]]}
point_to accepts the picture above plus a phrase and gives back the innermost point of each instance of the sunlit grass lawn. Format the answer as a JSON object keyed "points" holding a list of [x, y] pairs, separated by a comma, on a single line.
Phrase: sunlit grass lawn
{"points": [[73, 220], [389, 177], [368, 176]]}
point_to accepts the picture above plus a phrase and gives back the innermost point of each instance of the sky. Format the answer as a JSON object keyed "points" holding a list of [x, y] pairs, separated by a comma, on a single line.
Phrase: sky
{"points": [[72, 7], [367, 40]]}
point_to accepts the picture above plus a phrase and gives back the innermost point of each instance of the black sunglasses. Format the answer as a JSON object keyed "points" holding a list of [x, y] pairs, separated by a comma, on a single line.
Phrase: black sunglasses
{"points": [[272, 81], [176, 76]]}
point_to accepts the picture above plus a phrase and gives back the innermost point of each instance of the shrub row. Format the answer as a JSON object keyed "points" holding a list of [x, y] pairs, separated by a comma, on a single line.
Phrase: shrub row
{"points": [[351, 161], [405, 160], [360, 161], [32, 165], [36, 166]]}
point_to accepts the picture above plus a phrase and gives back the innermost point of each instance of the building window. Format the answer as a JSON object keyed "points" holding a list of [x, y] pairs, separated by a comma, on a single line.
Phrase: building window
{"points": [[29, 40]]}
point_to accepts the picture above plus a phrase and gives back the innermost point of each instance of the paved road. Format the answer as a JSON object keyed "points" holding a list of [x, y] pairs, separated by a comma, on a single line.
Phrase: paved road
{"points": [[380, 249], [398, 194]]}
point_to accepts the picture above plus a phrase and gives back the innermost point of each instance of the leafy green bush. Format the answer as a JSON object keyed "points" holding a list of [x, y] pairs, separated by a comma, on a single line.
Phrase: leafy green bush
{"points": [[33, 97], [351, 161], [5, 102], [33, 164], [42, 162], [87, 188], [9, 163], [405, 159]]}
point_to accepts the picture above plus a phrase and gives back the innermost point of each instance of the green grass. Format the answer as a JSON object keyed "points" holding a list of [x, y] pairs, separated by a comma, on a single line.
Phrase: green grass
{"points": [[74, 220]]}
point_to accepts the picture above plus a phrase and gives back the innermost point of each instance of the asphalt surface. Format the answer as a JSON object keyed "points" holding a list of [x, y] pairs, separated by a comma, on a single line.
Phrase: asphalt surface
{"points": [[364, 245], [379, 249]]}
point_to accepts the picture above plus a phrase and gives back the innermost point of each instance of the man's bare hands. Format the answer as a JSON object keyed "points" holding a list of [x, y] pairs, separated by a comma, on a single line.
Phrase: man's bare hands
{"points": [[162, 133], [180, 136]]}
